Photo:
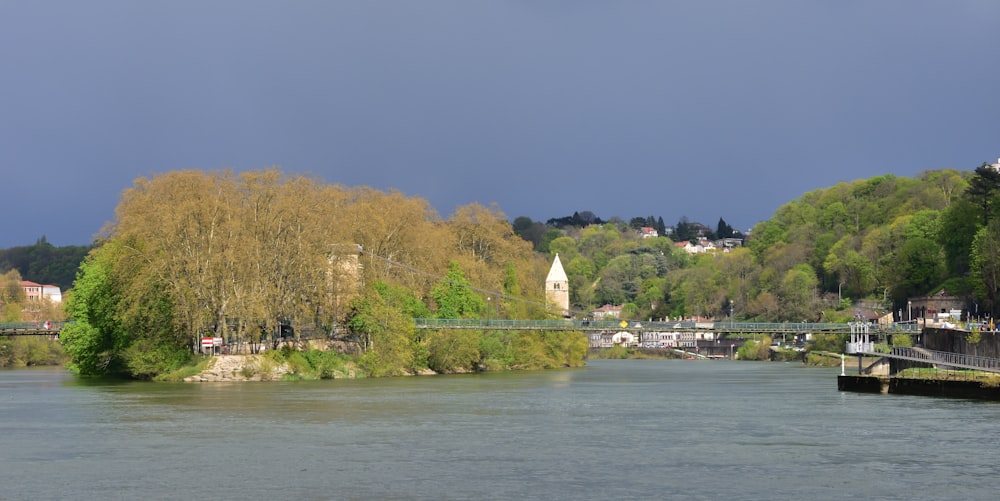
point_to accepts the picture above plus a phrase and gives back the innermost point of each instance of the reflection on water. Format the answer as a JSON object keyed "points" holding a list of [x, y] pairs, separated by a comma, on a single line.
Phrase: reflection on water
{"points": [[614, 430]]}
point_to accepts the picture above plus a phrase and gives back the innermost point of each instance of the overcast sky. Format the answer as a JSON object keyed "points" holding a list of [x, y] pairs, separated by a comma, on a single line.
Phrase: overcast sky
{"points": [[700, 109]]}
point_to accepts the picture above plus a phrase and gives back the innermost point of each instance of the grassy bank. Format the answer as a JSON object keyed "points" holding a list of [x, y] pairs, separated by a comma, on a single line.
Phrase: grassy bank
{"points": [[987, 379]]}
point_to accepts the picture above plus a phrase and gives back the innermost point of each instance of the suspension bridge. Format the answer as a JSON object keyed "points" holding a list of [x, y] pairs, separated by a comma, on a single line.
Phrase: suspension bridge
{"points": [[31, 328], [657, 326]]}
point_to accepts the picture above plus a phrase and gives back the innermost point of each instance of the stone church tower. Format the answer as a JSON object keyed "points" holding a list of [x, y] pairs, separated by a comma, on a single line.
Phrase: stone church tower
{"points": [[557, 288]]}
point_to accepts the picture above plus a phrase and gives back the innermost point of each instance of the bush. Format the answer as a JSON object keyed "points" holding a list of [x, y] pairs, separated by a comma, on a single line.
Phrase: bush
{"points": [[756, 350], [902, 340], [828, 342], [549, 349], [496, 350], [785, 355], [615, 353], [326, 364], [23, 351], [453, 351]]}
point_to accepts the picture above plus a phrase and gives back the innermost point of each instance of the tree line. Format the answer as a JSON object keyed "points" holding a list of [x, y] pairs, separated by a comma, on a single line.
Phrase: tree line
{"points": [[195, 253], [44, 263], [881, 240], [238, 256]]}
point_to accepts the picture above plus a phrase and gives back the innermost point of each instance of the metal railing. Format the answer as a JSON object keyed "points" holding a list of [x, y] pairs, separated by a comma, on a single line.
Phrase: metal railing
{"points": [[949, 359], [31, 328], [941, 359], [684, 326]]}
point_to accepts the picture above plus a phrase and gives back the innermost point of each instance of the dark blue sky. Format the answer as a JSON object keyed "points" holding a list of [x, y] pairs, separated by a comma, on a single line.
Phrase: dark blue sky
{"points": [[703, 109]]}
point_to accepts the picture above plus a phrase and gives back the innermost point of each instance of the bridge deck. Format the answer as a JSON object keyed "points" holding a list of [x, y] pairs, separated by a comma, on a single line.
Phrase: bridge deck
{"points": [[31, 328], [617, 325]]}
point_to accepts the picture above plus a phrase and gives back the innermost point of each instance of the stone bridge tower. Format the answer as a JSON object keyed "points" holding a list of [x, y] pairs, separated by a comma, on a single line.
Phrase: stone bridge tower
{"points": [[557, 288]]}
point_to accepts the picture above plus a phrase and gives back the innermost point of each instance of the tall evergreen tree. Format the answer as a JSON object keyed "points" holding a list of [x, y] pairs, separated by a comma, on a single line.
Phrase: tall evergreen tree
{"points": [[983, 190]]}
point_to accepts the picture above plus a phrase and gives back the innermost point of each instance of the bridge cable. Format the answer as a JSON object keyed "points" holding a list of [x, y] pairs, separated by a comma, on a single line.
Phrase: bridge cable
{"points": [[477, 289]]}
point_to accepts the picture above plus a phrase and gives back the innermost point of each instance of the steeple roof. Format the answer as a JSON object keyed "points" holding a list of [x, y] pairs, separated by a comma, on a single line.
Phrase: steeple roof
{"points": [[556, 273]]}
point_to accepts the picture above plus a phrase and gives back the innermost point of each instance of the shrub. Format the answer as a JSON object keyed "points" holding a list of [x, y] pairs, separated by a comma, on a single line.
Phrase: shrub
{"points": [[21, 351], [326, 364], [453, 351], [756, 350]]}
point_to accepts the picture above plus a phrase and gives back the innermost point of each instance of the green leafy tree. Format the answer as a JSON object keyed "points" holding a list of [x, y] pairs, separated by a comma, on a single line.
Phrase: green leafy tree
{"points": [[685, 230], [958, 225], [983, 190], [95, 339], [755, 349], [454, 296], [452, 351], [798, 293], [765, 236], [985, 270], [383, 319], [920, 266]]}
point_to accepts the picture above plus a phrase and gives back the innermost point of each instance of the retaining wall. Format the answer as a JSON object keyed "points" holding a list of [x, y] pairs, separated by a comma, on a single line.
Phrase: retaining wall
{"points": [[956, 341], [923, 387]]}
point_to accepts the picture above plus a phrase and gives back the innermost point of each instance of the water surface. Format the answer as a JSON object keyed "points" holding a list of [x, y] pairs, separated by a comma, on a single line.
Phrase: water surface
{"points": [[617, 429]]}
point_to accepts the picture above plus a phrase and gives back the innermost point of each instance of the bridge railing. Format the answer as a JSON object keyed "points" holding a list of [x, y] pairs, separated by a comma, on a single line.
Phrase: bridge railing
{"points": [[654, 326], [948, 358], [18, 327]]}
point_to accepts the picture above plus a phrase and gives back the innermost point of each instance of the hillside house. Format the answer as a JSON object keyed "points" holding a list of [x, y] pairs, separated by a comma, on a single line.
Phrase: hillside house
{"points": [[35, 291], [607, 312]]}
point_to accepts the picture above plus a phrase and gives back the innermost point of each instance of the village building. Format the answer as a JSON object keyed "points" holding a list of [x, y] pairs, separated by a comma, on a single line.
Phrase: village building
{"points": [[940, 306], [607, 312], [34, 291]]}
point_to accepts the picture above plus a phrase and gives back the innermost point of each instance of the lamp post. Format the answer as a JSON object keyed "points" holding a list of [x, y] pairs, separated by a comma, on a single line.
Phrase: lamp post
{"points": [[909, 310], [732, 319]]}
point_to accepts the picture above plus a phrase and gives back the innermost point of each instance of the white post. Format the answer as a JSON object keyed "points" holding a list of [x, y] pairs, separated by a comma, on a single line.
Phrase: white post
{"points": [[842, 357]]}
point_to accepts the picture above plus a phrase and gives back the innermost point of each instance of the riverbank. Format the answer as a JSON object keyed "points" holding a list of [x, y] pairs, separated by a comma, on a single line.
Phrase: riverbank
{"points": [[238, 368], [30, 351], [267, 367]]}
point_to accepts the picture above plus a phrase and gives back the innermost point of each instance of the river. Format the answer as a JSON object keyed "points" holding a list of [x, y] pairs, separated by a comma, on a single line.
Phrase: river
{"points": [[616, 429]]}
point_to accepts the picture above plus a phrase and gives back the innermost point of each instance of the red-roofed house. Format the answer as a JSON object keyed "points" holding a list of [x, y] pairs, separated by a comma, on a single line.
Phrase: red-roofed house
{"points": [[34, 291], [607, 312]]}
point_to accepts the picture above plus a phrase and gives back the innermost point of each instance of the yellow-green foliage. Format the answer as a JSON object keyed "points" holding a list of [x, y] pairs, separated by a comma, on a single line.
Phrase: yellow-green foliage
{"points": [[974, 337], [617, 352], [146, 359], [828, 342], [22, 351], [453, 351], [902, 340], [546, 350], [305, 365], [496, 350], [756, 350], [822, 360]]}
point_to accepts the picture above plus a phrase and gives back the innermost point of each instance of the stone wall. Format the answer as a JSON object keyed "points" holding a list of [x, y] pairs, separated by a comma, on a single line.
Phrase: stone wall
{"points": [[860, 384], [957, 341]]}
